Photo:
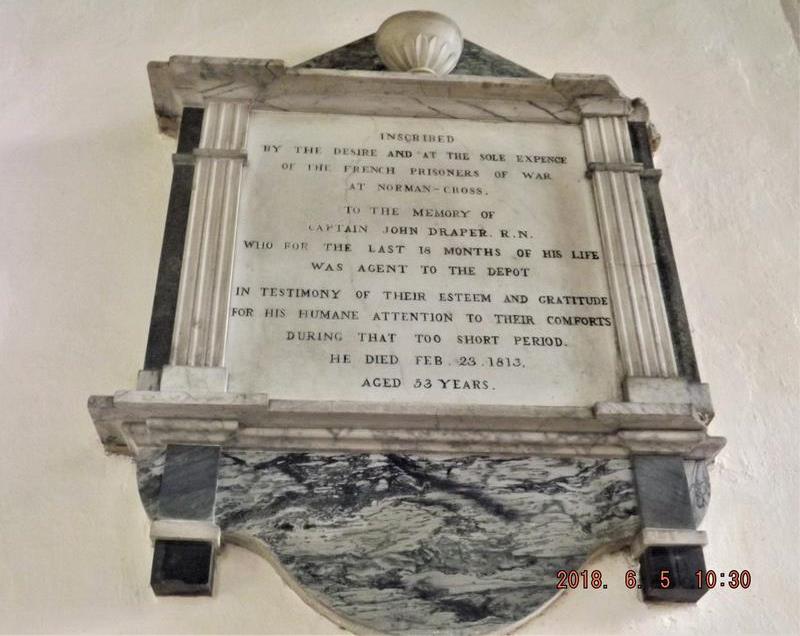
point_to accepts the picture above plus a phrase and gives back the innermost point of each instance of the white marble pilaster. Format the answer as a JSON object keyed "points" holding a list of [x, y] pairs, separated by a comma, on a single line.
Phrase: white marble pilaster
{"points": [[202, 311], [641, 319]]}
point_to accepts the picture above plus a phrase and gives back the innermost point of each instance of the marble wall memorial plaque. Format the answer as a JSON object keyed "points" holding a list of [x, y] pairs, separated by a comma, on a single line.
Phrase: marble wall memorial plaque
{"points": [[422, 260], [417, 338]]}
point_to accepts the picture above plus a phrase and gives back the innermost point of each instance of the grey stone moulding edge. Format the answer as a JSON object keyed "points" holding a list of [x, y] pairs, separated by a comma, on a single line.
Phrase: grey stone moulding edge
{"points": [[238, 422]]}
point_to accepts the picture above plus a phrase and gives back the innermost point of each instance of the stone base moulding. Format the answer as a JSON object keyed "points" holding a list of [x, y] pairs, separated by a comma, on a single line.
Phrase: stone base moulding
{"points": [[666, 537], [187, 530], [670, 391], [131, 420], [186, 378]]}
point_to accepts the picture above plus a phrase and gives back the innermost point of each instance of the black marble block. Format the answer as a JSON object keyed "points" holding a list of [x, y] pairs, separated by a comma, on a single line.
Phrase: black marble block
{"points": [[159, 339], [670, 573], [662, 491], [182, 568], [189, 485]]}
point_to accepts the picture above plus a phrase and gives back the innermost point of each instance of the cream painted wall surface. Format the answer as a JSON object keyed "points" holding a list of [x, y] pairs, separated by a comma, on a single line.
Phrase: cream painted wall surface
{"points": [[84, 180]]}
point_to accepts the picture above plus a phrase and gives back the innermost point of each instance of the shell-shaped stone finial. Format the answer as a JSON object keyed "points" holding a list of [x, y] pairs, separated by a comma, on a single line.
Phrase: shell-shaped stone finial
{"points": [[419, 42]]}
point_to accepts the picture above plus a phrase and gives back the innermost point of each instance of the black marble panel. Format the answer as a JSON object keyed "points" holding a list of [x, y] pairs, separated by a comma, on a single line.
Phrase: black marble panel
{"points": [[670, 573], [662, 491], [665, 258], [191, 127], [476, 60], [189, 484], [159, 339]]}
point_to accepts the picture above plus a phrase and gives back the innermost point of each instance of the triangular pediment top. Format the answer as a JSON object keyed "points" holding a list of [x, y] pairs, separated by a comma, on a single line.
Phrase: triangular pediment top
{"points": [[361, 55]]}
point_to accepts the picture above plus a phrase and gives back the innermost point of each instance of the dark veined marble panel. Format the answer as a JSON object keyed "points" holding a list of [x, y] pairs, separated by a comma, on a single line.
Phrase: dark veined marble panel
{"points": [[362, 56], [408, 544]]}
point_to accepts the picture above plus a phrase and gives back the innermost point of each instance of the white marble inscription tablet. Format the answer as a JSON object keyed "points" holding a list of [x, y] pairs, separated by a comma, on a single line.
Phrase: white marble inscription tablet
{"points": [[422, 260]]}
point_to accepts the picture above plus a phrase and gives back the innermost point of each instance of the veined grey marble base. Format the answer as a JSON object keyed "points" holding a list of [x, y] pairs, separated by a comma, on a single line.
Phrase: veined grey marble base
{"points": [[399, 543]]}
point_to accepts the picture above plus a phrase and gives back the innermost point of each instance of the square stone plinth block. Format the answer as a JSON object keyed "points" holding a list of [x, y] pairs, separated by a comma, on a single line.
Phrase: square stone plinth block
{"points": [[182, 568], [679, 565]]}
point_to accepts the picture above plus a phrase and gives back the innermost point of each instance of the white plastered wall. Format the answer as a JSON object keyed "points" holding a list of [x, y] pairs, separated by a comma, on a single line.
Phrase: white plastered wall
{"points": [[84, 182]]}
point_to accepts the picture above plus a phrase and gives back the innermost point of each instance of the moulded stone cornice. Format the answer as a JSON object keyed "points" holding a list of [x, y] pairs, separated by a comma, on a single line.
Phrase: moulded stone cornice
{"points": [[190, 81], [131, 420]]}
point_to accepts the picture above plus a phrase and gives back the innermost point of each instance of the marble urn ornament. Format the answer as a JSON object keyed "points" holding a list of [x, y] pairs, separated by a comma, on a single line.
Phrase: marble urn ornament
{"points": [[419, 42]]}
